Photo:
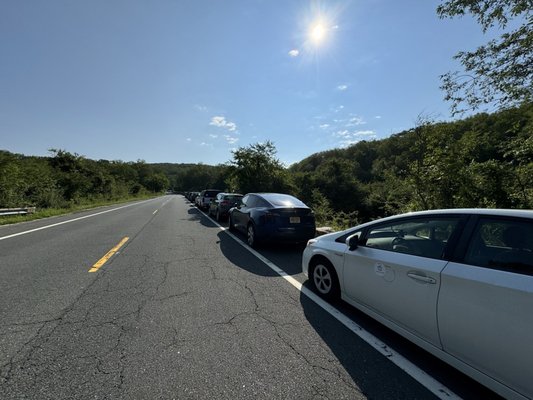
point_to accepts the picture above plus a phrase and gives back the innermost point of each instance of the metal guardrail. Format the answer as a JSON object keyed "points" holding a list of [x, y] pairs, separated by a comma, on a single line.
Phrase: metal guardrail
{"points": [[17, 211]]}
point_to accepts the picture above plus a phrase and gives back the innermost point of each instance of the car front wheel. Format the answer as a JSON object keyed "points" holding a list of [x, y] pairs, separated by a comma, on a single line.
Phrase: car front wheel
{"points": [[324, 279]]}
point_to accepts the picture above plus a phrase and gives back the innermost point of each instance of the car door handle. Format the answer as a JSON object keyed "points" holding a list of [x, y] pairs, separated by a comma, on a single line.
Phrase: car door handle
{"points": [[421, 278]]}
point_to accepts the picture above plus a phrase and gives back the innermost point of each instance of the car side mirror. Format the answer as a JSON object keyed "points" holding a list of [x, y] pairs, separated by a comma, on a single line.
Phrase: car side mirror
{"points": [[352, 241]]}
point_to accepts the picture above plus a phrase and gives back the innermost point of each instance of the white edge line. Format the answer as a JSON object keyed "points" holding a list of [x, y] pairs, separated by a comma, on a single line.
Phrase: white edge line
{"points": [[434, 386], [69, 221]]}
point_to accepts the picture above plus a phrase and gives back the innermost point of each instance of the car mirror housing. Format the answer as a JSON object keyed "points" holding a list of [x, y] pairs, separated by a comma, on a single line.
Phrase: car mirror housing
{"points": [[352, 241]]}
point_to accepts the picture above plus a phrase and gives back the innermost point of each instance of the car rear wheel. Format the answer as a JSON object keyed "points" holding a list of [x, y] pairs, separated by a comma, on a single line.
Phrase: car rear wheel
{"points": [[324, 279], [218, 215], [231, 225]]}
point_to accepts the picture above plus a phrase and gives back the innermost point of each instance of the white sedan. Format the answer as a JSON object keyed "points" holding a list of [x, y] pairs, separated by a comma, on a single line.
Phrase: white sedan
{"points": [[458, 283]]}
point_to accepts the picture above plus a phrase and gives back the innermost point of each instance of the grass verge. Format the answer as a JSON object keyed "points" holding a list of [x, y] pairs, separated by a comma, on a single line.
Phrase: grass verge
{"points": [[52, 212]]}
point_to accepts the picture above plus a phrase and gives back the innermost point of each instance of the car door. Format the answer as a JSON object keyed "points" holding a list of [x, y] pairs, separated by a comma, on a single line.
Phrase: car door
{"points": [[242, 213], [486, 302], [395, 272]]}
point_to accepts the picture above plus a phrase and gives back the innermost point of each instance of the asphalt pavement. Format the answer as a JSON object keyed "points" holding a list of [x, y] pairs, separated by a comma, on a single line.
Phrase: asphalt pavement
{"points": [[181, 310]]}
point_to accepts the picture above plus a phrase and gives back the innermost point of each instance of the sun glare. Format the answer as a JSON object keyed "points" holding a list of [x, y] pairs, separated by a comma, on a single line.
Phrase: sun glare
{"points": [[318, 32]]}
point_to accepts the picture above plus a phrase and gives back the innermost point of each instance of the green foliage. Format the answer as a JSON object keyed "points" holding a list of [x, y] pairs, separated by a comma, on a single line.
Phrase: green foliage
{"points": [[326, 216], [66, 180], [482, 161], [195, 177], [500, 71], [256, 169]]}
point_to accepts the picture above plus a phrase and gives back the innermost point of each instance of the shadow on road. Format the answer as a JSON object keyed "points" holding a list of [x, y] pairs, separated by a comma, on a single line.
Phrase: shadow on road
{"points": [[286, 256], [373, 373], [196, 215], [375, 376], [238, 256]]}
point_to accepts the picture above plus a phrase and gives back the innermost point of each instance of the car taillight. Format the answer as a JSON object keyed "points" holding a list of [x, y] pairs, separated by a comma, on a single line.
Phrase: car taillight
{"points": [[270, 217]]}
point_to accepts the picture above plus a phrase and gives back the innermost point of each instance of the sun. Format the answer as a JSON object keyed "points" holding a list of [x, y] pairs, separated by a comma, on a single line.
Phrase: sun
{"points": [[318, 33]]}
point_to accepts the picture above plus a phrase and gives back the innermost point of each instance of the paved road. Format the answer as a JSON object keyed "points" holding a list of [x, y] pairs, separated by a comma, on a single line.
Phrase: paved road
{"points": [[181, 311]]}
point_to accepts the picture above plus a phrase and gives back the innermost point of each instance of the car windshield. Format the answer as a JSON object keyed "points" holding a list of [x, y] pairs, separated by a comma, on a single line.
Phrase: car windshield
{"points": [[283, 200]]}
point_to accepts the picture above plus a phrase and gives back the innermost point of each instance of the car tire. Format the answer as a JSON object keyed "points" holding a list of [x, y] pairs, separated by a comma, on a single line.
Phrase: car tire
{"points": [[231, 226], [324, 280], [218, 215], [251, 236]]}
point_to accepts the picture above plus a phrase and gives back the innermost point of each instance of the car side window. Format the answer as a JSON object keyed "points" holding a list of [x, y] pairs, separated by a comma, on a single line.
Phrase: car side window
{"points": [[261, 203], [251, 201], [245, 200], [425, 237], [502, 244]]}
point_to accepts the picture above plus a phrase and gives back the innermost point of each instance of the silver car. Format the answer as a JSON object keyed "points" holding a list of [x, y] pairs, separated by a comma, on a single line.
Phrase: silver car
{"points": [[458, 283]]}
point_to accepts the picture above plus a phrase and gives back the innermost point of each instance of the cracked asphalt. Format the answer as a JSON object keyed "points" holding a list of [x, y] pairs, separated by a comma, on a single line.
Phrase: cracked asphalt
{"points": [[182, 311]]}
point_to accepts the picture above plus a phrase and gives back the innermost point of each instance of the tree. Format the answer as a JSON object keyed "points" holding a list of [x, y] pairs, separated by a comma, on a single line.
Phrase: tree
{"points": [[256, 168], [157, 182], [500, 72]]}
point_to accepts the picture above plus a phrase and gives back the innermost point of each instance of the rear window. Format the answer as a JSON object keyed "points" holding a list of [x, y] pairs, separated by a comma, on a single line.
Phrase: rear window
{"points": [[283, 200], [233, 198], [211, 193]]}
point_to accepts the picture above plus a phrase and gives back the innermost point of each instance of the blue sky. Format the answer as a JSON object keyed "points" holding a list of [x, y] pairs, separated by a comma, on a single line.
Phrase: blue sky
{"points": [[186, 81]]}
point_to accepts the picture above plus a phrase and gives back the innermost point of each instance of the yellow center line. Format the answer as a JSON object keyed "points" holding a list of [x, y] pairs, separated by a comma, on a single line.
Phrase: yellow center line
{"points": [[108, 255]]}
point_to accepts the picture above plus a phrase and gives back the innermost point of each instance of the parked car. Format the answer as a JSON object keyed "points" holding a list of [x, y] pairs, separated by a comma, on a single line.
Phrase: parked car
{"points": [[222, 203], [191, 196], [205, 197], [458, 283], [272, 216]]}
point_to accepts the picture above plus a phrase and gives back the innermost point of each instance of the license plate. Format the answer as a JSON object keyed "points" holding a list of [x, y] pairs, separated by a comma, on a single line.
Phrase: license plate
{"points": [[294, 220]]}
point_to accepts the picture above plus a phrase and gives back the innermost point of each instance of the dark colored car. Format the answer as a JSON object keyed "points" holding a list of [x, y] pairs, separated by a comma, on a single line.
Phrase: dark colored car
{"points": [[205, 197], [192, 196], [221, 205], [272, 216]]}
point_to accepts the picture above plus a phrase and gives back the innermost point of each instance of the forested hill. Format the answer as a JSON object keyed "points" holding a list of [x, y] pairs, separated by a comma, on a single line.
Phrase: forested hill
{"points": [[482, 161]]}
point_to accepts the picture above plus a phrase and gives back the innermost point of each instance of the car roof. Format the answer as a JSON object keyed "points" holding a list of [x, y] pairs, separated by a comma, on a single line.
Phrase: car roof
{"points": [[449, 211], [276, 199], [476, 211]]}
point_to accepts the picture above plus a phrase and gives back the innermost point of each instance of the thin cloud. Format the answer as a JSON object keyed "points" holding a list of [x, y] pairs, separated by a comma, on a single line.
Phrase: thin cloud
{"points": [[324, 126], [221, 122], [294, 53], [342, 88], [354, 121], [231, 139], [348, 138], [213, 136]]}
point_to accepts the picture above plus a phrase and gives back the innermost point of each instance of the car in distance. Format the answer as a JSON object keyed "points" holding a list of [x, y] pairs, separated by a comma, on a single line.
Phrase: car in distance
{"points": [[458, 283], [272, 216], [222, 203], [192, 196], [204, 198]]}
